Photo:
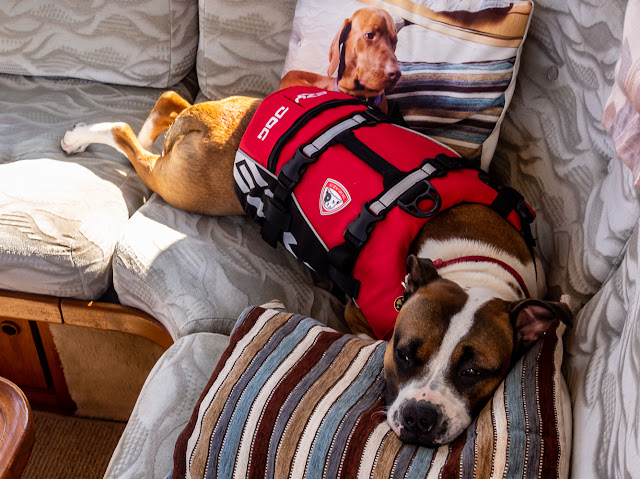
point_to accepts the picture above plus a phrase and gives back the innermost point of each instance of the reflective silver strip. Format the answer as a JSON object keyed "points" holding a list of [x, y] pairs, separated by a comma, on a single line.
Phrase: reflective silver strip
{"points": [[322, 141], [255, 173], [397, 190]]}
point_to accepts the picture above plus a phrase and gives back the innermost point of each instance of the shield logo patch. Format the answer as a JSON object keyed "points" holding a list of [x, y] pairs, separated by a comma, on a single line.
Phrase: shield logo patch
{"points": [[333, 197]]}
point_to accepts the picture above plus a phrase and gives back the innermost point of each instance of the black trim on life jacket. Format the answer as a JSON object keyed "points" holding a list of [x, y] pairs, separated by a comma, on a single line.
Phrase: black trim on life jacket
{"points": [[508, 200], [344, 256], [299, 123], [390, 174]]}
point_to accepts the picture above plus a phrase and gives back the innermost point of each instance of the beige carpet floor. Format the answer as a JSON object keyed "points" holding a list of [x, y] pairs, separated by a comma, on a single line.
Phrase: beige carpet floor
{"points": [[69, 447]]}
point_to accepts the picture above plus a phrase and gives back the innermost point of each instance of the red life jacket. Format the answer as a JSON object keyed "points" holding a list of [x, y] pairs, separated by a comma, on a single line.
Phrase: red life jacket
{"points": [[346, 191]]}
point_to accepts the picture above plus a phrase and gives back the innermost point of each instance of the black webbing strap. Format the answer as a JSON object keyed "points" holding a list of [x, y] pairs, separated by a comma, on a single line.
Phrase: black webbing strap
{"points": [[300, 122], [343, 257], [276, 211], [508, 200], [291, 172], [277, 217], [390, 174]]}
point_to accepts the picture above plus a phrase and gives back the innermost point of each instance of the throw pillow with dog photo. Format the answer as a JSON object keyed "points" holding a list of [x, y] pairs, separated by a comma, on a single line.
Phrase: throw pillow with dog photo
{"points": [[458, 62]]}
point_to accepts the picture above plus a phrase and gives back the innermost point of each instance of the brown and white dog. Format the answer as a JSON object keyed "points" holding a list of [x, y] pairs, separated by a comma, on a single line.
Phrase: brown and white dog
{"points": [[465, 320], [461, 325]]}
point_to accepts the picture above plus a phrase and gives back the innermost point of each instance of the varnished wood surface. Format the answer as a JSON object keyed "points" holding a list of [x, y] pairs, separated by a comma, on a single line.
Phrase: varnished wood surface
{"points": [[16, 430], [93, 314], [114, 317], [33, 307], [29, 357]]}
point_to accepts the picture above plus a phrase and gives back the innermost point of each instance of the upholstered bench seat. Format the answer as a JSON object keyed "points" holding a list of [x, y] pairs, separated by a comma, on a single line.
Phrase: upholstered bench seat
{"points": [[197, 273], [61, 216]]}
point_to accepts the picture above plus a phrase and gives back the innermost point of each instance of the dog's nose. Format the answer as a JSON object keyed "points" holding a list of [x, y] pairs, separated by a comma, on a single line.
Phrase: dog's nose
{"points": [[419, 417], [392, 71]]}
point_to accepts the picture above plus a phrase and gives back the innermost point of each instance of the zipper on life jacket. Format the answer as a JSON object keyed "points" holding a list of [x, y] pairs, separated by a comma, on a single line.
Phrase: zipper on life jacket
{"points": [[300, 122]]}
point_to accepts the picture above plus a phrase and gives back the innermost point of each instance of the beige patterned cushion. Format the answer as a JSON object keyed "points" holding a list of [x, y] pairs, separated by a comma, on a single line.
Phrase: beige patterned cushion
{"points": [[197, 273], [242, 46], [164, 406], [143, 43], [61, 216]]}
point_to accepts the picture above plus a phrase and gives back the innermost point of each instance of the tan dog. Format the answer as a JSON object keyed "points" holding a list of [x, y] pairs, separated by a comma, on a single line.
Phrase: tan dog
{"points": [[202, 140], [363, 53]]}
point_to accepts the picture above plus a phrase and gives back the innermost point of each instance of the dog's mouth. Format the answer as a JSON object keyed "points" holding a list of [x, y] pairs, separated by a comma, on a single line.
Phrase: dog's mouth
{"points": [[368, 84], [360, 90]]}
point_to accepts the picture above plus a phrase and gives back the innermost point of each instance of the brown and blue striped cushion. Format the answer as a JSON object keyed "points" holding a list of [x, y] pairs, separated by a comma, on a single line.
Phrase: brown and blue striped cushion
{"points": [[292, 398]]}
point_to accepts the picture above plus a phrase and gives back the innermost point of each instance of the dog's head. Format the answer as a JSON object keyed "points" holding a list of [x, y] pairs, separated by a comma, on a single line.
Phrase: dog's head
{"points": [[363, 51], [450, 350]]}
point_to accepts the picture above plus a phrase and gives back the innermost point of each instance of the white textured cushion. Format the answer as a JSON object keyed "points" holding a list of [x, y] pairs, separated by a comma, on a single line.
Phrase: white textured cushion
{"points": [[164, 407], [61, 216], [142, 42], [198, 273], [555, 151], [242, 46], [602, 365]]}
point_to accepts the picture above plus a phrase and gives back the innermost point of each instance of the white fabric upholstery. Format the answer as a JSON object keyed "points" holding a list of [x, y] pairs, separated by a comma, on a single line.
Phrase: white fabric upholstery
{"points": [[603, 371], [143, 43], [61, 216], [164, 407], [242, 46], [198, 273], [554, 150]]}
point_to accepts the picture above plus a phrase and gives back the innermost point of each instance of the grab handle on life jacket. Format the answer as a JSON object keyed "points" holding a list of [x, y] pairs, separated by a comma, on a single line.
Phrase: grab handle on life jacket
{"points": [[422, 191]]}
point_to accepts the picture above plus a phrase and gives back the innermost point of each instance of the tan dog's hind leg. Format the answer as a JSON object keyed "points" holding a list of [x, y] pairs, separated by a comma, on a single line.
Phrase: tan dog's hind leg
{"points": [[164, 113], [195, 171], [118, 135]]}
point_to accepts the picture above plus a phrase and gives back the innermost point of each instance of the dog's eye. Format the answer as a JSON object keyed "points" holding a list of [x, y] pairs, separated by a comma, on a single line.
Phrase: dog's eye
{"points": [[370, 35], [402, 356], [472, 373]]}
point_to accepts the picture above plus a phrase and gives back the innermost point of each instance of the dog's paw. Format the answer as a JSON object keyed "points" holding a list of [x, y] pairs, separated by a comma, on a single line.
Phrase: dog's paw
{"points": [[75, 140]]}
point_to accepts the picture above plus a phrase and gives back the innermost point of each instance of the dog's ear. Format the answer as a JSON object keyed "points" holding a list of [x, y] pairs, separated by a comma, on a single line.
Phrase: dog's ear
{"points": [[531, 318], [334, 51], [420, 271], [398, 22]]}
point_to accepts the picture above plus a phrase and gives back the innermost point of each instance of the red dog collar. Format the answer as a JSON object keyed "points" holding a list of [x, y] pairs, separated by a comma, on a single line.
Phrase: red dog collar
{"points": [[486, 259]]}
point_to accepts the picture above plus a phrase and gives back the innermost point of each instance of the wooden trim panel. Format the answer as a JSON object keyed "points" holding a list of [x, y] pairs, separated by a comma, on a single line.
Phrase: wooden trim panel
{"points": [[114, 317], [32, 307], [92, 314]]}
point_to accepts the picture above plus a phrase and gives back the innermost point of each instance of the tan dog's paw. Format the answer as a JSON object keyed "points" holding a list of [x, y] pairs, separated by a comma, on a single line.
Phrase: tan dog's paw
{"points": [[74, 140]]}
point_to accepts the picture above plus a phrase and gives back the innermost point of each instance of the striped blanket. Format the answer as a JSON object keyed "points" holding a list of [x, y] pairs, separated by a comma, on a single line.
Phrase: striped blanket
{"points": [[292, 398]]}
